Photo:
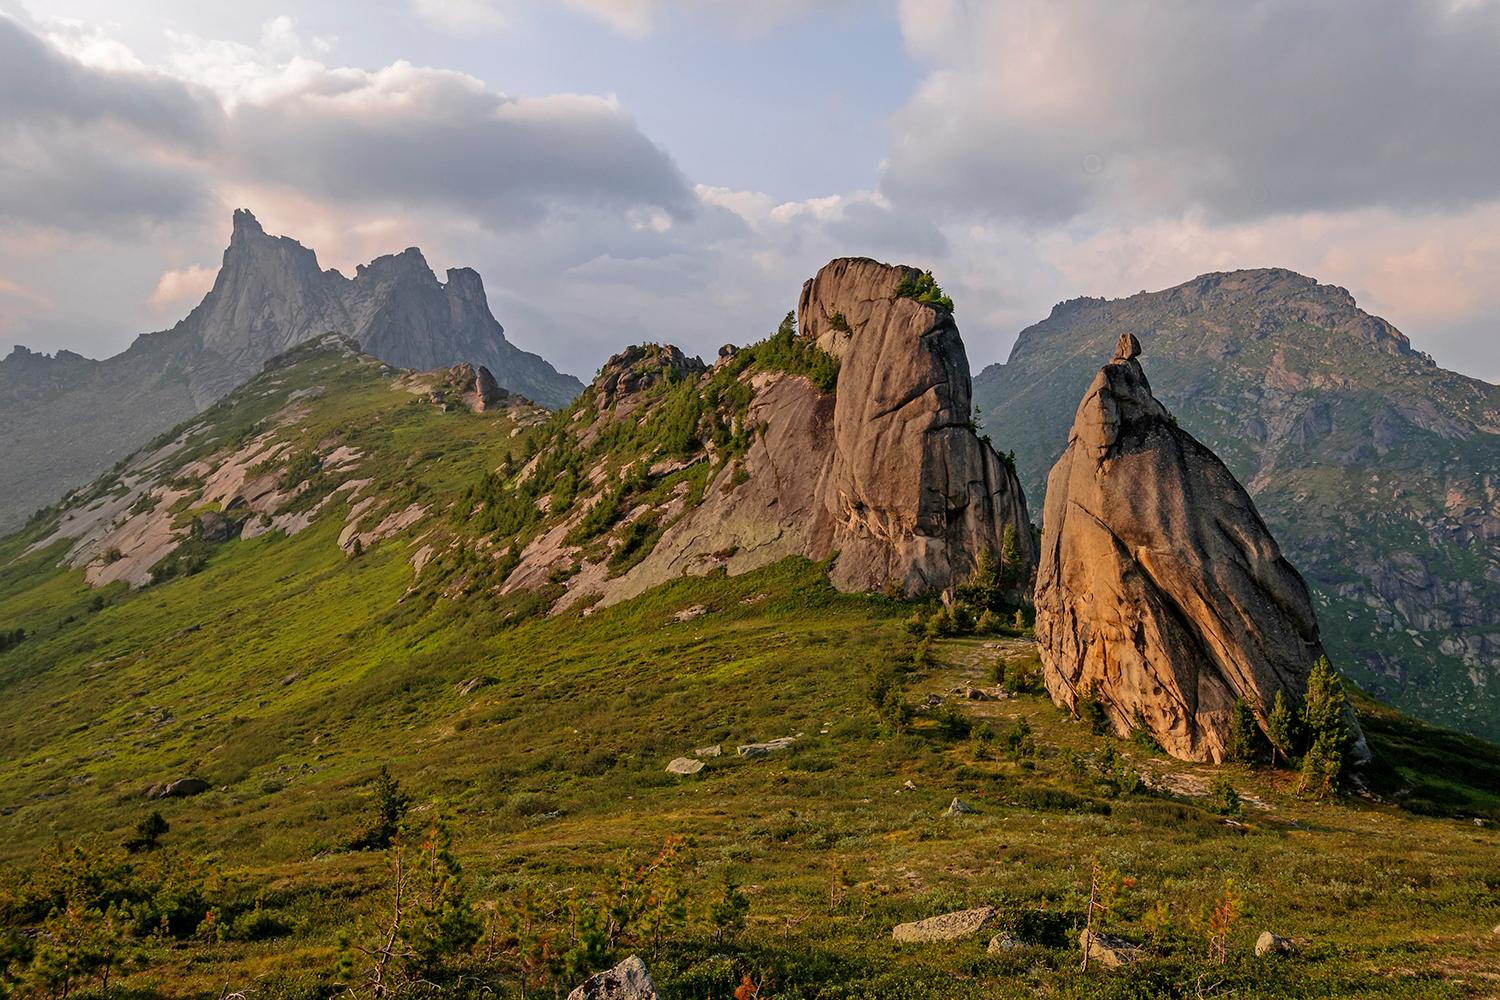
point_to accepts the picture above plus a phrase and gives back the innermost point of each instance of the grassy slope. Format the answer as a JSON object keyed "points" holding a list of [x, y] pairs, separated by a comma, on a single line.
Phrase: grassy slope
{"points": [[286, 673]]}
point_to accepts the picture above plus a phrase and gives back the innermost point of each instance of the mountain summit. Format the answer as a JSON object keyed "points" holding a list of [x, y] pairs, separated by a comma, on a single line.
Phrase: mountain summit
{"points": [[69, 417]]}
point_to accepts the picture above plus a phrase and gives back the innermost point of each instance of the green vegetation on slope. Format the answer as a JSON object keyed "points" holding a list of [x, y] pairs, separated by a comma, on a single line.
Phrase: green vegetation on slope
{"points": [[286, 674]]}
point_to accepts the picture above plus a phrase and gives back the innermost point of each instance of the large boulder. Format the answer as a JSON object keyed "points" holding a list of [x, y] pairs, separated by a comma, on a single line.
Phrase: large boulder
{"points": [[945, 927], [627, 981], [181, 788], [1160, 588]]}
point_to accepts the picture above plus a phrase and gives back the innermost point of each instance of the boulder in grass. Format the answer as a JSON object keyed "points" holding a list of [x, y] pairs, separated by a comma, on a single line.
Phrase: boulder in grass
{"points": [[179, 789], [684, 765], [627, 981], [946, 927], [1273, 944], [1107, 950]]}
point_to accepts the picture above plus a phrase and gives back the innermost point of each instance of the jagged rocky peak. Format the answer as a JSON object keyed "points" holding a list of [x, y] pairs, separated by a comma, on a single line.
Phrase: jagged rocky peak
{"points": [[1160, 588]]}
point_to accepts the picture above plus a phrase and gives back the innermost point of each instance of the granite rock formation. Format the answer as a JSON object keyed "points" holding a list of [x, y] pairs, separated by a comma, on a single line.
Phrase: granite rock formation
{"points": [[886, 471], [1160, 588]]}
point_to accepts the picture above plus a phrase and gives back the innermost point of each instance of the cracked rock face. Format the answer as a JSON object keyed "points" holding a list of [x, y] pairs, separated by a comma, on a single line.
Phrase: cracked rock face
{"points": [[1159, 584], [913, 492]]}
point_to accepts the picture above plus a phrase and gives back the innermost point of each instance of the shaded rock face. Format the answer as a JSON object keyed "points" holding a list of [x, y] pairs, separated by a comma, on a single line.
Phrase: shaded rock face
{"points": [[1159, 585], [887, 471], [913, 491], [627, 981]]}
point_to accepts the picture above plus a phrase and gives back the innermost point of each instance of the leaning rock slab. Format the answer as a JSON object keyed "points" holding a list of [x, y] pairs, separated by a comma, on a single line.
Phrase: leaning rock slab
{"points": [[1108, 950], [947, 927], [627, 981], [1160, 588]]}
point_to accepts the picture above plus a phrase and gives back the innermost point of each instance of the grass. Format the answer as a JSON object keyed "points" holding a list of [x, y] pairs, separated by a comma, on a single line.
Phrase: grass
{"points": [[287, 673]]}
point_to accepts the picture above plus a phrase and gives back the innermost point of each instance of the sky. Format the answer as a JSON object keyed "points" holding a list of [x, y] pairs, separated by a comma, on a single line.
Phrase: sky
{"points": [[672, 170]]}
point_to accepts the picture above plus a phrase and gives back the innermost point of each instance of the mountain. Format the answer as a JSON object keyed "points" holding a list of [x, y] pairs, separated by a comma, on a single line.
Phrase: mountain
{"points": [[317, 613], [68, 417], [1378, 471]]}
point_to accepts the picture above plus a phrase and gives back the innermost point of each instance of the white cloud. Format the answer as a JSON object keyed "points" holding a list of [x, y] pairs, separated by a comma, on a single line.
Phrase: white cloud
{"points": [[182, 286]]}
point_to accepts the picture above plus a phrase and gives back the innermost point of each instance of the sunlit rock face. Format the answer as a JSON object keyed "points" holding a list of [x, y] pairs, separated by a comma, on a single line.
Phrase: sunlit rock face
{"points": [[1160, 588]]}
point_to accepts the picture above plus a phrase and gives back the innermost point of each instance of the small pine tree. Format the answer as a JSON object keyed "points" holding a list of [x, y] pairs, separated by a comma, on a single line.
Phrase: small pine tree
{"points": [[728, 910], [1324, 720], [1282, 729], [1244, 733]]}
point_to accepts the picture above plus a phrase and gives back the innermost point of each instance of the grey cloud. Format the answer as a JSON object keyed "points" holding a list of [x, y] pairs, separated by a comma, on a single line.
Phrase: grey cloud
{"points": [[447, 143], [1242, 109]]}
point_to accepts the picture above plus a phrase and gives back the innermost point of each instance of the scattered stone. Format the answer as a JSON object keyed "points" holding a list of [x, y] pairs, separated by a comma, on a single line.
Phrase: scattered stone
{"points": [[474, 684], [978, 694], [947, 927], [1108, 950], [291, 678], [712, 751], [688, 614], [763, 749], [1268, 943], [179, 789], [1004, 941], [627, 981], [684, 765], [934, 700], [958, 807], [910, 786]]}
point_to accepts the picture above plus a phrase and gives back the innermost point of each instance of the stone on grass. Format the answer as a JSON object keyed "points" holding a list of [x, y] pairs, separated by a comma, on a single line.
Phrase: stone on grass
{"points": [[1268, 943], [958, 807], [762, 749], [712, 751], [685, 765], [947, 927], [179, 789], [1002, 942], [627, 981], [1108, 950]]}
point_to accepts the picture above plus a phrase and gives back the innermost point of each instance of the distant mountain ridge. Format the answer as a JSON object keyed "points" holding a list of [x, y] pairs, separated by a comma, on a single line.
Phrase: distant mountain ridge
{"points": [[1378, 470], [69, 417]]}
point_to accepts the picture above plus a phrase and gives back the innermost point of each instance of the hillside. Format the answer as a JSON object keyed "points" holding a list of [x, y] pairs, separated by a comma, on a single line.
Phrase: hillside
{"points": [[334, 600], [1373, 467], [68, 418]]}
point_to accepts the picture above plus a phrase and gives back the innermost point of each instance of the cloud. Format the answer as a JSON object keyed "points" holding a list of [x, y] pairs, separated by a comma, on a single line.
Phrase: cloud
{"points": [[459, 17], [1045, 112], [183, 285]]}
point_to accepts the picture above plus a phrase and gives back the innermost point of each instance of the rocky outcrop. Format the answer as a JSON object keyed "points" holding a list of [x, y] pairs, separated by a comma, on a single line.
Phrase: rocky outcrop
{"points": [[886, 472], [913, 492], [1160, 589]]}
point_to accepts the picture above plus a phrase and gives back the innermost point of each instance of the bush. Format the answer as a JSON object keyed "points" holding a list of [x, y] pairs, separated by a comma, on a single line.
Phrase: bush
{"points": [[390, 808], [1226, 799], [924, 288], [951, 723], [1022, 675]]}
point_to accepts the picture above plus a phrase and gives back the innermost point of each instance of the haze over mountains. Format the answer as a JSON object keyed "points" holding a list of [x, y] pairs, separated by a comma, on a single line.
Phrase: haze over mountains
{"points": [[69, 417], [1378, 471]]}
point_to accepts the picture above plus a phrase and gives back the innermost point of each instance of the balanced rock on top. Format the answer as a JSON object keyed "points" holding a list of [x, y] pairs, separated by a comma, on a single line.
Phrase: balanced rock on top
{"points": [[1160, 588]]}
